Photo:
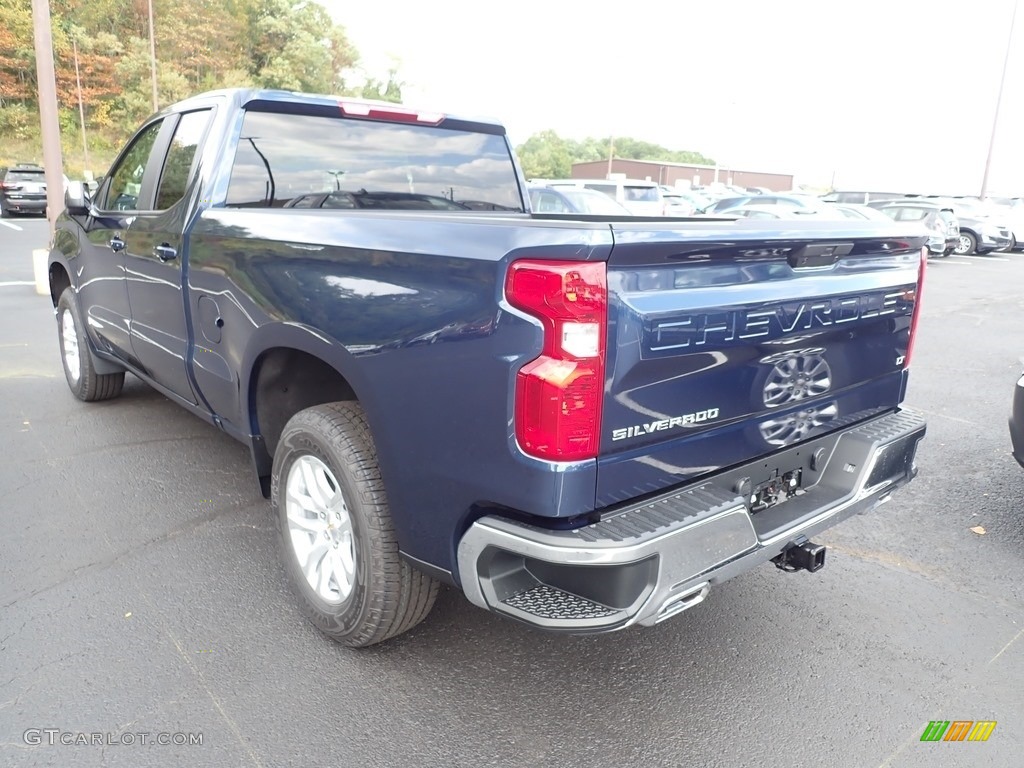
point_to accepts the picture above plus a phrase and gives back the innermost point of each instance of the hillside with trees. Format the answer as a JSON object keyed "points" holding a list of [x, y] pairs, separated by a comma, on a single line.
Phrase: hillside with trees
{"points": [[546, 155], [200, 45]]}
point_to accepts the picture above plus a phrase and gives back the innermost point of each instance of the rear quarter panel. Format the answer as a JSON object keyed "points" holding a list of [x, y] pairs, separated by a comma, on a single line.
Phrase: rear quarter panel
{"points": [[409, 307]]}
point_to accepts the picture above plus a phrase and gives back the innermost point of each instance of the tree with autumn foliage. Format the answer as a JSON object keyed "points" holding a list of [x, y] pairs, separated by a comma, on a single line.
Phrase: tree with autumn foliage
{"points": [[200, 45]]}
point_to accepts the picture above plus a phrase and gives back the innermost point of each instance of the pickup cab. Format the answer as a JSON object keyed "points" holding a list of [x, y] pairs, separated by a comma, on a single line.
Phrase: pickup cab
{"points": [[582, 422]]}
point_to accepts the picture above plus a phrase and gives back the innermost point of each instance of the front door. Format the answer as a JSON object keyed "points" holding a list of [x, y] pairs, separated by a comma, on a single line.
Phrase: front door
{"points": [[103, 292]]}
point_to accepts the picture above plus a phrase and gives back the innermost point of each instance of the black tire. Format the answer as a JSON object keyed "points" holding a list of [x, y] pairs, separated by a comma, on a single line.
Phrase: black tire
{"points": [[85, 383], [968, 244], [387, 596], [4, 213]]}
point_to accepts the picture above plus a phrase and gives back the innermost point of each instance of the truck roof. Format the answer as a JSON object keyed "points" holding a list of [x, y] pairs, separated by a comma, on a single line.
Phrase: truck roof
{"points": [[371, 109]]}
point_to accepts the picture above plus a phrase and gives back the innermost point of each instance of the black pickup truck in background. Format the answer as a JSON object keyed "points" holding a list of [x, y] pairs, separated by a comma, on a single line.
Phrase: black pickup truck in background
{"points": [[583, 422]]}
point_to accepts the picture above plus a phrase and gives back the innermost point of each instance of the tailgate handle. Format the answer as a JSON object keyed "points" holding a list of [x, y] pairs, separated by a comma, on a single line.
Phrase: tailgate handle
{"points": [[819, 254]]}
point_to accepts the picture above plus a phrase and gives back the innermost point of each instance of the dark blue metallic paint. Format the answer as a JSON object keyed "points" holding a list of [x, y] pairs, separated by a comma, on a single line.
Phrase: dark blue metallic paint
{"points": [[699, 323], [409, 309], [160, 333], [422, 337]]}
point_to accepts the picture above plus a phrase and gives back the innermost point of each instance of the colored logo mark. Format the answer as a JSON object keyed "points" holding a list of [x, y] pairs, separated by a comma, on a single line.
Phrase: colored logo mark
{"points": [[958, 730]]}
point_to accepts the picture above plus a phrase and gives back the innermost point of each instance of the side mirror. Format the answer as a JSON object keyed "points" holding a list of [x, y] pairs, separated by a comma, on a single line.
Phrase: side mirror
{"points": [[77, 199]]}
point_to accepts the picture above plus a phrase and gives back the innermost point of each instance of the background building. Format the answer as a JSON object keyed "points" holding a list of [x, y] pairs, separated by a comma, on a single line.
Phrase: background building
{"points": [[684, 174]]}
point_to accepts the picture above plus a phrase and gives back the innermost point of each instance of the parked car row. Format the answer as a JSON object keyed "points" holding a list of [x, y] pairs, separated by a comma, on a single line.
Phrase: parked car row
{"points": [[954, 225], [640, 198], [993, 224]]}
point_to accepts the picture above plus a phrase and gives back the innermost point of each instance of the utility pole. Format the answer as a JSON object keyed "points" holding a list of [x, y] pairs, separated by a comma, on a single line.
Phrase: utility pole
{"points": [[47, 81], [611, 153], [999, 100], [81, 109], [152, 56]]}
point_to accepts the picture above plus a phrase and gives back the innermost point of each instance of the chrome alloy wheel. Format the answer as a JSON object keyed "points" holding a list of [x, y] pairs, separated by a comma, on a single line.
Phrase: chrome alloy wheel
{"points": [[69, 335], [320, 529]]}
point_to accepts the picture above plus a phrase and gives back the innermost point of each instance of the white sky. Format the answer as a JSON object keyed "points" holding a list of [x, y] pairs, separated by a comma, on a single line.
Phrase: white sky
{"points": [[885, 94]]}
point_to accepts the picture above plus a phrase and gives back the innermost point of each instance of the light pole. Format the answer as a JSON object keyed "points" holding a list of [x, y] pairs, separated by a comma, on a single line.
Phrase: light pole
{"points": [[47, 82], [999, 99]]}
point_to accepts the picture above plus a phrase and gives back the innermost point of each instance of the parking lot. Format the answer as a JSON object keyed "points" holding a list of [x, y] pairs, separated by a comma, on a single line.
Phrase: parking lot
{"points": [[140, 593]]}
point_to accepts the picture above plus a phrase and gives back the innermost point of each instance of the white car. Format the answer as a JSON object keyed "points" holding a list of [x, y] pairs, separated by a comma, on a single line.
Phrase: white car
{"points": [[640, 198]]}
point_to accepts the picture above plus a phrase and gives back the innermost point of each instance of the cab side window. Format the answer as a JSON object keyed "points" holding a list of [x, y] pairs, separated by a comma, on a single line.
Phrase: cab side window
{"points": [[126, 178], [188, 135]]}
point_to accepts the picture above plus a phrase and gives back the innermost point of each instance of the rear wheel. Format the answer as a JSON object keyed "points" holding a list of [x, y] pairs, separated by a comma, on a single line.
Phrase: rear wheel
{"points": [[79, 371], [968, 244], [337, 540]]}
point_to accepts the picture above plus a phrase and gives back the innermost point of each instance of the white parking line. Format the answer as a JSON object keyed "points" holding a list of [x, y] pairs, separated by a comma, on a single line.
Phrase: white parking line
{"points": [[992, 258], [18, 282], [12, 226], [961, 263]]}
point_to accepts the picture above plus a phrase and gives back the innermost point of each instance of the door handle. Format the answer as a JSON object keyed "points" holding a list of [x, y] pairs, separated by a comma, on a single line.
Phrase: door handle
{"points": [[165, 252], [116, 244]]}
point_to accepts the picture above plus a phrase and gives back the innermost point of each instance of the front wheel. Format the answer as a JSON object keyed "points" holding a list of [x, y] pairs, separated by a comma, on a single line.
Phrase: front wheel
{"points": [[337, 540], [968, 243], [79, 371]]}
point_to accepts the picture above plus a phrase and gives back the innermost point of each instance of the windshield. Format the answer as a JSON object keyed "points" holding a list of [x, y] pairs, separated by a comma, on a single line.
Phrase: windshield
{"points": [[288, 160]]}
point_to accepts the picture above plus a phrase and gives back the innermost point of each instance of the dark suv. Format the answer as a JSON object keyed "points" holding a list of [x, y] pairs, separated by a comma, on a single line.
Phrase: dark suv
{"points": [[23, 190]]}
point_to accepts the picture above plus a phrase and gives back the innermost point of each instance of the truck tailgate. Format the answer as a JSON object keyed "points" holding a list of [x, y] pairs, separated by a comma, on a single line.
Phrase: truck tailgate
{"points": [[729, 341]]}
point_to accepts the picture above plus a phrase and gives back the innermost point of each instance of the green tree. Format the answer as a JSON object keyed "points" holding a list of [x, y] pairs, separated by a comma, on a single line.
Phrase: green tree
{"points": [[200, 45], [546, 155], [389, 91], [296, 46]]}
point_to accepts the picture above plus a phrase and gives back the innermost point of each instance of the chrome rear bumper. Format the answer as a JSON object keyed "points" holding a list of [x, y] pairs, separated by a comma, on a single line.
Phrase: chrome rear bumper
{"points": [[645, 562]]}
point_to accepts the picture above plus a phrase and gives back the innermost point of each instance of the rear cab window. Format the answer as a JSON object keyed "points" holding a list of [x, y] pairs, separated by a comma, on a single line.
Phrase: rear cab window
{"points": [[605, 189], [640, 194], [314, 161], [25, 176]]}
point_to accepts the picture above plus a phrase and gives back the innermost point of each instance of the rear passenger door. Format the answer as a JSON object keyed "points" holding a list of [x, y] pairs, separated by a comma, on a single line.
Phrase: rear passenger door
{"points": [[154, 254]]}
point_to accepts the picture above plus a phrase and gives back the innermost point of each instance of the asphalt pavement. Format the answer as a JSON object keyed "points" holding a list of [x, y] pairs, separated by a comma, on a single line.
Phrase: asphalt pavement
{"points": [[141, 600]]}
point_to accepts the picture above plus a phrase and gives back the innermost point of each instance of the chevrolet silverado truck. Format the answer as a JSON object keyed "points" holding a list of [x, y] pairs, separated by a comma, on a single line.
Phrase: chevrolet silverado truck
{"points": [[582, 422]]}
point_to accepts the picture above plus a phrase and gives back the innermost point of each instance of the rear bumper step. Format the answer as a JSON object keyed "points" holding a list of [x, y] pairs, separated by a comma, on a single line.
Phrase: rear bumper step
{"points": [[643, 563]]}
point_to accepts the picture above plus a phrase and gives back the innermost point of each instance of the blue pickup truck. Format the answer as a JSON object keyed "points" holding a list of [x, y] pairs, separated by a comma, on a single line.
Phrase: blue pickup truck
{"points": [[582, 422]]}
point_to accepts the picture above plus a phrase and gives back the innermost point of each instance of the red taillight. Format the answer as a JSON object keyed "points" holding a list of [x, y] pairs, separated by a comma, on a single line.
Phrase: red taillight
{"points": [[917, 307], [559, 394], [386, 112]]}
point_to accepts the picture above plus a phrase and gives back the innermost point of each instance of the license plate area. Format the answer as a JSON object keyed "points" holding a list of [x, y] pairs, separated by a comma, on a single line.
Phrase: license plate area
{"points": [[776, 490]]}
